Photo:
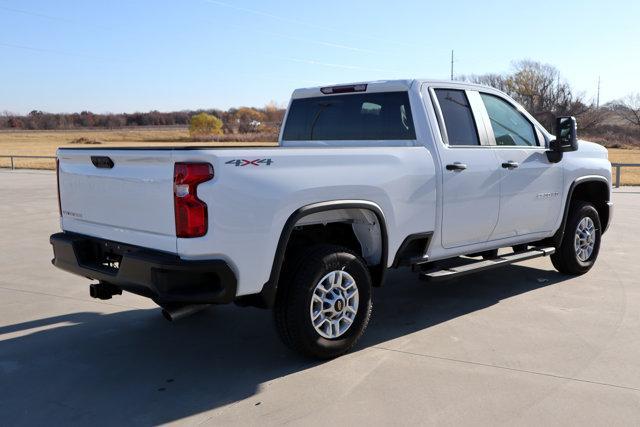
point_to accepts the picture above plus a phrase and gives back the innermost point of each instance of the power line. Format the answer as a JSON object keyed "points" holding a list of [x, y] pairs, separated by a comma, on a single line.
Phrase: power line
{"points": [[52, 18], [57, 52], [39, 15], [305, 40], [307, 24]]}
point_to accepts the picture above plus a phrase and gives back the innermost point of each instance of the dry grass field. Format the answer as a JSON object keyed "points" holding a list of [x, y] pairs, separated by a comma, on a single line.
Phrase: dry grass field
{"points": [[45, 143], [629, 176]]}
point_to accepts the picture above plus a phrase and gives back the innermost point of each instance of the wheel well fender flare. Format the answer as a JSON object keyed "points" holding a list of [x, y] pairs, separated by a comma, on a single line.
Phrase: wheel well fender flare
{"points": [[557, 238], [268, 294]]}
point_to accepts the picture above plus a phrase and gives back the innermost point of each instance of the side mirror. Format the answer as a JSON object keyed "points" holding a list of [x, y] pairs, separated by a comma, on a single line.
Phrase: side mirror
{"points": [[566, 135], [566, 138]]}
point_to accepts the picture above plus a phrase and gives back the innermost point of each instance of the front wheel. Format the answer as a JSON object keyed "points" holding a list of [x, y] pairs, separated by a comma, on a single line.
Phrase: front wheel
{"points": [[325, 305], [581, 241]]}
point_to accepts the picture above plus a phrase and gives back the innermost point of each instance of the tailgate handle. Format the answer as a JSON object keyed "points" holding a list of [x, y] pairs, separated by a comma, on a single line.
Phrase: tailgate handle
{"points": [[102, 162]]}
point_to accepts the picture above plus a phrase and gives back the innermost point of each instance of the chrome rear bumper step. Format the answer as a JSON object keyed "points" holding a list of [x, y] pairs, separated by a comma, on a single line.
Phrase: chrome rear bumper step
{"points": [[500, 261]]}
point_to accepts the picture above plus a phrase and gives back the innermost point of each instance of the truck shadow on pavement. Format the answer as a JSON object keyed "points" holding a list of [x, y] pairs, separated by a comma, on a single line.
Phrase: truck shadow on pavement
{"points": [[133, 367]]}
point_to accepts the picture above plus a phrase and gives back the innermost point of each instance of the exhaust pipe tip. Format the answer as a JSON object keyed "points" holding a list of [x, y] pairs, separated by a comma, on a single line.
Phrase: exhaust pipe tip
{"points": [[173, 313]]}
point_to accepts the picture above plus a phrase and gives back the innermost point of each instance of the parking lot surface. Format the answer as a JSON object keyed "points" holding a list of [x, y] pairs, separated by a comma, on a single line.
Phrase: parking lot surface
{"points": [[523, 344]]}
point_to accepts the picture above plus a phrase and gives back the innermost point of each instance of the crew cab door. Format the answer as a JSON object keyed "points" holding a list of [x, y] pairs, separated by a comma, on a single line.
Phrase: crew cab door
{"points": [[530, 185], [470, 178]]}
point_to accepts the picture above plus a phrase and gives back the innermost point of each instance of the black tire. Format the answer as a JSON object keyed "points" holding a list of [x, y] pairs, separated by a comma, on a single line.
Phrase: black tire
{"points": [[492, 254], [293, 302], [565, 259], [520, 248]]}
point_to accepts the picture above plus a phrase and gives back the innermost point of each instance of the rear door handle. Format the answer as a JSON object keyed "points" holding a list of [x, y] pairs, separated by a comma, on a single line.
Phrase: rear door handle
{"points": [[456, 166], [510, 164]]}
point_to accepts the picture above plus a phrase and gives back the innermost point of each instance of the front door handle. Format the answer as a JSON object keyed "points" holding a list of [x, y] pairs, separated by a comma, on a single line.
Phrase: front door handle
{"points": [[456, 166], [510, 164]]}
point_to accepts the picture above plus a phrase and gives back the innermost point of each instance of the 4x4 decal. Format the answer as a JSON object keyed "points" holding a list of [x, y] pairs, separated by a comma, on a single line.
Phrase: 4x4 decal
{"points": [[244, 162]]}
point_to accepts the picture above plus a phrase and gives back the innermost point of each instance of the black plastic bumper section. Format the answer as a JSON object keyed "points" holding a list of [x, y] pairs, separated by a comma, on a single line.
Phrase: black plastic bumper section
{"points": [[163, 277]]}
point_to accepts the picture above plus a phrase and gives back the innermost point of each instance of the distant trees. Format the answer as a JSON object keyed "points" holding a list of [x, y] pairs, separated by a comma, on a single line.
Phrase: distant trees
{"points": [[546, 95], [540, 89], [39, 120], [246, 120], [628, 109], [273, 116], [242, 120], [204, 125]]}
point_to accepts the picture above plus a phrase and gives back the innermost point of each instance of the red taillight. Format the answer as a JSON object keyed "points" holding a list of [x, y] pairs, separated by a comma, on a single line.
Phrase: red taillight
{"points": [[191, 212], [58, 183]]}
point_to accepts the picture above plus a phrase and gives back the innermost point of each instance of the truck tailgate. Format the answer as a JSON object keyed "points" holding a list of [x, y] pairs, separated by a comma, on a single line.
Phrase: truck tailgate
{"points": [[130, 202]]}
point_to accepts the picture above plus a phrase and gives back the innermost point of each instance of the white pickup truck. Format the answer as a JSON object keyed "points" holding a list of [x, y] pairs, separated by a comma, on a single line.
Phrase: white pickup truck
{"points": [[437, 176]]}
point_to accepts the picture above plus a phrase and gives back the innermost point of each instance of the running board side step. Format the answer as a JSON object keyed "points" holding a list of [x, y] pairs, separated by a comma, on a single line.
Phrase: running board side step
{"points": [[500, 261]]}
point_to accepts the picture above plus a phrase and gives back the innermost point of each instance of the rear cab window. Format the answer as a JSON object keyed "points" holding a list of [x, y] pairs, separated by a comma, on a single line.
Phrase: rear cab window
{"points": [[458, 118], [350, 117]]}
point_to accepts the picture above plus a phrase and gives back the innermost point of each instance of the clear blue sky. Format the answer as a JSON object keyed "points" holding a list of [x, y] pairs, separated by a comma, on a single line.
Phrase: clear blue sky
{"points": [[138, 55]]}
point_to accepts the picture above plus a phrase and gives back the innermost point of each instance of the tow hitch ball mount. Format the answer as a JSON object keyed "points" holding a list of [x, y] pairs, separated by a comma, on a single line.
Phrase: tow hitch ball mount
{"points": [[103, 290]]}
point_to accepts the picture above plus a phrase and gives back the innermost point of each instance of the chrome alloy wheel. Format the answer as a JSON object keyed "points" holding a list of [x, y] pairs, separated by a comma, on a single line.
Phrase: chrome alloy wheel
{"points": [[334, 304], [585, 239]]}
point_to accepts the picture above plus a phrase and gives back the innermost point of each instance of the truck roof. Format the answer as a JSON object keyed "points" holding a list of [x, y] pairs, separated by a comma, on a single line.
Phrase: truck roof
{"points": [[380, 86]]}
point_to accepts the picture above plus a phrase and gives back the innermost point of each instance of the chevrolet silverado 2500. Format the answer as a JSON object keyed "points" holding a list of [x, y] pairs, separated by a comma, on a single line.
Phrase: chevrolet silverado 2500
{"points": [[435, 176]]}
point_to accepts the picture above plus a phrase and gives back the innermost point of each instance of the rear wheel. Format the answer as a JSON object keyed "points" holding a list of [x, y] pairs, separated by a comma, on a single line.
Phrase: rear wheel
{"points": [[325, 306], [580, 244]]}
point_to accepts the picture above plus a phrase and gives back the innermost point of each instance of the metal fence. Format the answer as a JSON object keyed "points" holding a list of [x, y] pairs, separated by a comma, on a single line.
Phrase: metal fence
{"points": [[619, 166], [25, 157]]}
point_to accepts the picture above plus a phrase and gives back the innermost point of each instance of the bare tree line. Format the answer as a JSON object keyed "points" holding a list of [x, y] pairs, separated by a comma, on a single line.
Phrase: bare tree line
{"points": [[235, 120], [539, 87], [628, 108], [545, 94]]}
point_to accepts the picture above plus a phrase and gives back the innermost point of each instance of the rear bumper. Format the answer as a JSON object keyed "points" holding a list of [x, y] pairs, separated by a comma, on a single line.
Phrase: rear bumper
{"points": [[163, 277]]}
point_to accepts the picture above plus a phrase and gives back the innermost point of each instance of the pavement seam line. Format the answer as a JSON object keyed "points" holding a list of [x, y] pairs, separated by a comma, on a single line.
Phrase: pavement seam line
{"points": [[506, 368]]}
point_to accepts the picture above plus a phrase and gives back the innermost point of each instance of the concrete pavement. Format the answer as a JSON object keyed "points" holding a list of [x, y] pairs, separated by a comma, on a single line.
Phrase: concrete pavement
{"points": [[523, 344]]}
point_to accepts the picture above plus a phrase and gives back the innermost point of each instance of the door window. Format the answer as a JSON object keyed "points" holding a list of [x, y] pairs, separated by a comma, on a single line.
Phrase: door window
{"points": [[458, 118], [509, 126]]}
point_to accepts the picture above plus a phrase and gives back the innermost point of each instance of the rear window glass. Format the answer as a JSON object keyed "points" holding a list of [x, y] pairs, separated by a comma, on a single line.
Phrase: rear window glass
{"points": [[365, 116], [458, 118]]}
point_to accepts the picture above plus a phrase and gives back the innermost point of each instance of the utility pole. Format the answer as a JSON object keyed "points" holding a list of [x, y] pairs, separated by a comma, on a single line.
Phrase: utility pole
{"points": [[451, 64], [598, 96]]}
